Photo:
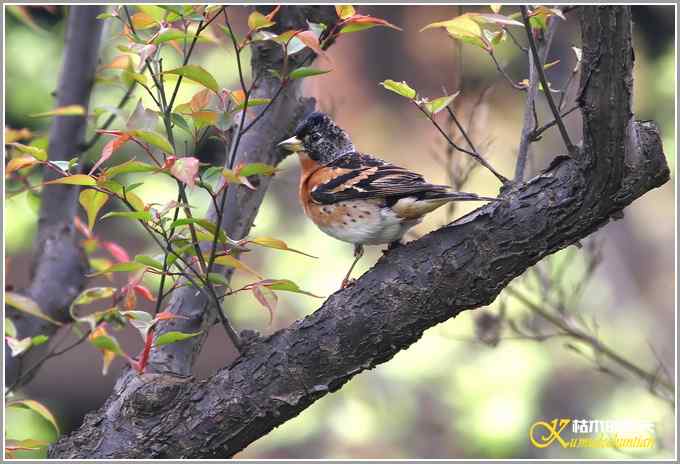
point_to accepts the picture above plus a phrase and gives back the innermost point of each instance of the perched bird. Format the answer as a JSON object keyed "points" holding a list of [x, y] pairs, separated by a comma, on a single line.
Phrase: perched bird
{"points": [[355, 197]]}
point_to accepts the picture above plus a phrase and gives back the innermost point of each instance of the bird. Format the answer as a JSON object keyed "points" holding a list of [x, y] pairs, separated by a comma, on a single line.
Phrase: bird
{"points": [[356, 197]]}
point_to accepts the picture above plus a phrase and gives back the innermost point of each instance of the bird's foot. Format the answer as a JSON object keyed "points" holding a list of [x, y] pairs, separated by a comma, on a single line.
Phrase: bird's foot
{"points": [[347, 283], [392, 245]]}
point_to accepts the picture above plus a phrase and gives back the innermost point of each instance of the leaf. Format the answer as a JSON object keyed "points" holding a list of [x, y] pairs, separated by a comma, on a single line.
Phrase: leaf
{"points": [[142, 119], [307, 71], [174, 337], [92, 202], [75, 179], [257, 20], [39, 340], [129, 167], [435, 106], [93, 294], [16, 164], [286, 285], [37, 408], [345, 11], [70, 110], [10, 328], [360, 22], [463, 28], [312, 41], [18, 347], [129, 77], [400, 88], [497, 19], [120, 267], [252, 169], [267, 298], [149, 261], [251, 102], [35, 152], [144, 292], [136, 215], [186, 169], [196, 74], [108, 150], [142, 20], [551, 64], [230, 261], [28, 306], [106, 343], [168, 35], [155, 139], [496, 7], [200, 100], [276, 244], [179, 121]]}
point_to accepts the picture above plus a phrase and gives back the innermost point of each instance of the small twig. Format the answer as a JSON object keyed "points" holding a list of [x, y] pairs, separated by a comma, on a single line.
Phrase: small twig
{"points": [[571, 148], [536, 134], [504, 73], [473, 154], [594, 343]]}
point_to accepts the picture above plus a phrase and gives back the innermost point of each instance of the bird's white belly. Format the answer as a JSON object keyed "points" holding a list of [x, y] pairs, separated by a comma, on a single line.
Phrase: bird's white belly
{"points": [[359, 223]]}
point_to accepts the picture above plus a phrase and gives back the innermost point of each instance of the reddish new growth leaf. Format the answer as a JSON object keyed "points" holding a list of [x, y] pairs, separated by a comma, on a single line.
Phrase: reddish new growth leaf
{"points": [[310, 40], [117, 251], [109, 149], [144, 292], [185, 169], [360, 22]]}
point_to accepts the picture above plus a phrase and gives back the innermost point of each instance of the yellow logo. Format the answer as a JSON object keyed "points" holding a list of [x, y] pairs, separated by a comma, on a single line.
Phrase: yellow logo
{"points": [[542, 434], [587, 433]]}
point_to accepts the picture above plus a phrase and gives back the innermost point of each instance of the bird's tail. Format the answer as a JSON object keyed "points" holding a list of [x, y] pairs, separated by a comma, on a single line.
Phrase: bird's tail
{"points": [[446, 194]]}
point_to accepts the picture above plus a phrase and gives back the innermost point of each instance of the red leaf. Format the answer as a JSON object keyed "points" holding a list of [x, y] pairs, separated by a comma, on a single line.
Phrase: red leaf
{"points": [[144, 292], [82, 228], [369, 21], [117, 251], [309, 39], [165, 316], [271, 14], [185, 169], [108, 150]]}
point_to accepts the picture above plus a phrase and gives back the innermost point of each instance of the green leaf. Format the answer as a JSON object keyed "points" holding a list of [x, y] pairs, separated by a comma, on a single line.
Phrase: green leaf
{"points": [[70, 110], [128, 167], [217, 278], [108, 343], [174, 337], [253, 169], [307, 71], [120, 267], [489, 18], [400, 88], [251, 102], [39, 340], [10, 328], [37, 408], [463, 28], [128, 77], [180, 122], [230, 261], [76, 179], [286, 285], [276, 244], [94, 294], [153, 138], [149, 261], [435, 106], [35, 152], [141, 215], [345, 11], [168, 35], [92, 202], [28, 306], [196, 74], [257, 20]]}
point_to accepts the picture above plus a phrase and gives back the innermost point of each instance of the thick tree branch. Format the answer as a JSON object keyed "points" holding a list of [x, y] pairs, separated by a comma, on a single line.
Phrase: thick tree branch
{"points": [[461, 266], [59, 264]]}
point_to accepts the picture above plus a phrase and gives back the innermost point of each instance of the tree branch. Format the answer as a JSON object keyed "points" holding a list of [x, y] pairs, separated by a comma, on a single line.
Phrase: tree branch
{"points": [[59, 264], [461, 266]]}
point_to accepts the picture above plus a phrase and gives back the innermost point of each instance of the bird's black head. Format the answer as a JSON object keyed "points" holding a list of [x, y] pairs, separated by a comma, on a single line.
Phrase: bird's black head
{"points": [[320, 138]]}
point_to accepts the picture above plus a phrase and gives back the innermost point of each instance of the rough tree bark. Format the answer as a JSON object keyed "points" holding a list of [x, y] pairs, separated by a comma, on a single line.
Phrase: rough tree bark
{"points": [[59, 268], [461, 266]]}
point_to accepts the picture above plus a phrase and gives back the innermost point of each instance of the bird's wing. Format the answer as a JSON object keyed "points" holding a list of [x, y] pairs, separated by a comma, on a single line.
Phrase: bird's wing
{"points": [[354, 176]]}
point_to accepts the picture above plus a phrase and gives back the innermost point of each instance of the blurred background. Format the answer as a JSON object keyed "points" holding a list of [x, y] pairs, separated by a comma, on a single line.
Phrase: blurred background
{"points": [[471, 387]]}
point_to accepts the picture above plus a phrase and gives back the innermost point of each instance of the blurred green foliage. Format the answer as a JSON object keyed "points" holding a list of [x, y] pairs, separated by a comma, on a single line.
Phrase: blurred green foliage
{"points": [[448, 395]]}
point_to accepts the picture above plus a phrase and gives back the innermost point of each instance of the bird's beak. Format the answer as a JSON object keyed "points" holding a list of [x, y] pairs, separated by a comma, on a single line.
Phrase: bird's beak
{"points": [[292, 144]]}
